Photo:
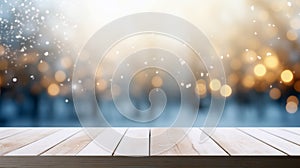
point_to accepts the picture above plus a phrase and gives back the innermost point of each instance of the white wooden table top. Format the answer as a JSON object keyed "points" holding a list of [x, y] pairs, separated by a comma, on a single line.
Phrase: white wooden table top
{"points": [[75, 142]]}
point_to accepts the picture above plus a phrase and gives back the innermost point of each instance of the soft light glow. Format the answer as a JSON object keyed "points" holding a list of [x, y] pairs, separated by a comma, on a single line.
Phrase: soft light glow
{"points": [[226, 90], [271, 62], [275, 93], [260, 70], [2, 50], [291, 107], [60, 76], [157, 81], [215, 85], [287, 76], [297, 86], [53, 89], [293, 99], [200, 88], [101, 85], [292, 35], [248, 81]]}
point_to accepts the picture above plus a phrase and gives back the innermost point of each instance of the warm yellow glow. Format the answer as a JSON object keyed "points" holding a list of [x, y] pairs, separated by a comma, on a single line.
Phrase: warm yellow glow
{"points": [[260, 70], [297, 86], [60, 76], [2, 50], [249, 56], [286, 76], [292, 35], [248, 81], [3, 64], [66, 62], [43, 67], [293, 99], [291, 107], [53, 89], [275, 93], [157, 81], [200, 88], [215, 85], [101, 84], [271, 61], [235, 64], [226, 90]]}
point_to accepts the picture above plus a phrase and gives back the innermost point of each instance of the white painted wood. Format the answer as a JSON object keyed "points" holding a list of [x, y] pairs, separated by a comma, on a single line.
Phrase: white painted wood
{"points": [[22, 139], [134, 143], [236, 142], [279, 143], [9, 132], [105, 143], [70, 146], [189, 145], [44, 144], [287, 135]]}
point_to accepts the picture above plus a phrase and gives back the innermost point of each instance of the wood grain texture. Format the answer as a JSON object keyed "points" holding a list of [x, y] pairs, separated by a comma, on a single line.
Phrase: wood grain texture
{"points": [[72, 145], [134, 143], [274, 141], [45, 143], [105, 143], [284, 134], [236, 142], [22, 139], [191, 144]]}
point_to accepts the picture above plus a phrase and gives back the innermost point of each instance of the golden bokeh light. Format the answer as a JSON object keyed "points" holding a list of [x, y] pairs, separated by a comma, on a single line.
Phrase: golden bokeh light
{"points": [[275, 93], [66, 62], [200, 88], [249, 56], [260, 70], [101, 85], [292, 35], [287, 76], [226, 90], [43, 67], [297, 86], [248, 81], [60, 76], [53, 89], [271, 61], [3, 64], [215, 85], [292, 99], [157, 81], [2, 50], [291, 107]]}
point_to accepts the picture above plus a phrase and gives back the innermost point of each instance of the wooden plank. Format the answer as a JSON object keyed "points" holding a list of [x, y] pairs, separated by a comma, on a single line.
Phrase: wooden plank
{"points": [[72, 145], [279, 132], [19, 140], [105, 143], [134, 143], [279, 143], [44, 144], [9, 132], [191, 145], [293, 130], [236, 142]]}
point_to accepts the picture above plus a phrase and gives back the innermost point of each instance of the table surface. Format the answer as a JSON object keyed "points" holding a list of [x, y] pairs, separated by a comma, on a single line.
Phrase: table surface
{"points": [[75, 142]]}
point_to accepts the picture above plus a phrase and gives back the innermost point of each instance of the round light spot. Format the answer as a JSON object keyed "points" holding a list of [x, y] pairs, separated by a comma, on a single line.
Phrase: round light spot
{"points": [[157, 81], [291, 107], [260, 70], [226, 90], [248, 81], [215, 85], [275, 93], [286, 76], [101, 85], [271, 62], [60, 76], [53, 89]]}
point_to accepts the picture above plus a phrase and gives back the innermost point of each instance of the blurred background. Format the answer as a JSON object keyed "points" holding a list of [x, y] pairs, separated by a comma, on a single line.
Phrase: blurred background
{"points": [[257, 42]]}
